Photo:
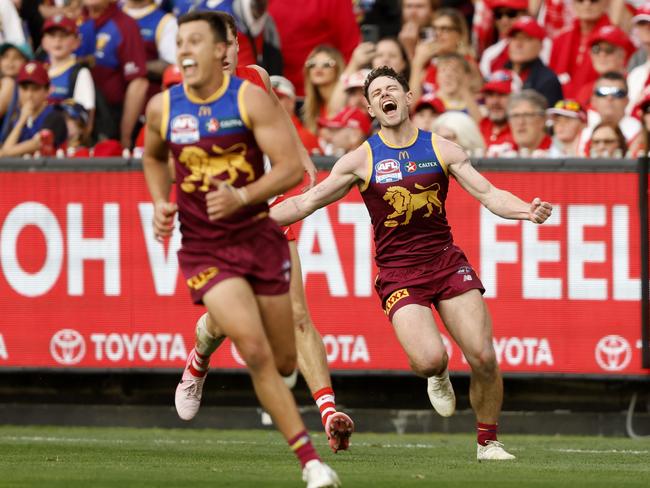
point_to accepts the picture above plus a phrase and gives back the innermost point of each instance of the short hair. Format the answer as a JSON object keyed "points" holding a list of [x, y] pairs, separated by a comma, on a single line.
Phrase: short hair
{"points": [[528, 95], [454, 57], [388, 72], [613, 76], [229, 20], [214, 20]]}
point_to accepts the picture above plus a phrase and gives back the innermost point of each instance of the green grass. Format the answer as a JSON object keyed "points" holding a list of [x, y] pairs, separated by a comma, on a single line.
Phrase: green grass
{"points": [[69, 457]]}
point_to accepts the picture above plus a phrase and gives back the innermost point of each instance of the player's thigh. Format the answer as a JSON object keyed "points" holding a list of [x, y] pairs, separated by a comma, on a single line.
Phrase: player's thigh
{"points": [[467, 319], [297, 289], [418, 334], [277, 317]]}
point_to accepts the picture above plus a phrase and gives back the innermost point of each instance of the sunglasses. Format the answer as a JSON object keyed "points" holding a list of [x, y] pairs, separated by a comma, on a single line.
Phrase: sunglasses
{"points": [[568, 105], [613, 91], [510, 13], [330, 63], [603, 48]]}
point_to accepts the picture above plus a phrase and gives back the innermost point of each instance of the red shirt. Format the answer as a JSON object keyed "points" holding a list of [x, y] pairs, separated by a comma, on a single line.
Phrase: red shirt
{"points": [[305, 24], [492, 134]]}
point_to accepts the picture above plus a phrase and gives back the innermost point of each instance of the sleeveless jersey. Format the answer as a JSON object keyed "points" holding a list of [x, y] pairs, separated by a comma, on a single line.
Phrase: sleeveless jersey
{"points": [[60, 88], [211, 138], [151, 23], [405, 195]]}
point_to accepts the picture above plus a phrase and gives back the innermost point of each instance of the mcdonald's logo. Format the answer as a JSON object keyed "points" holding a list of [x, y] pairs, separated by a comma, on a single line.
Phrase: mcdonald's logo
{"points": [[403, 155], [205, 111]]}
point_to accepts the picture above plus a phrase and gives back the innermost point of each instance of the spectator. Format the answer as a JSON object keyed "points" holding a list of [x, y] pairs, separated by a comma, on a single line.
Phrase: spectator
{"points": [[112, 39], [305, 24], [68, 8], [451, 36], [12, 59], [321, 73], [505, 13], [609, 49], [426, 110], [569, 120], [639, 77], [69, 79], [460, 128], [76, 120], [452, 79], [640, 144], [286, 93], [389, 52], [353, 84], [34, 116], [569, 56], [641, 31], [527, 119], [158, 31], [258, 36], [607, 141], [347, 130], [526, 37], [608, 103], [417, 16], [11, 25], [494, 126]]}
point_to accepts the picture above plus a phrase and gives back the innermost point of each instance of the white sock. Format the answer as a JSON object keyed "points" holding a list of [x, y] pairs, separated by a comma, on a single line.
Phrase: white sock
{"points": [[291, 380]]}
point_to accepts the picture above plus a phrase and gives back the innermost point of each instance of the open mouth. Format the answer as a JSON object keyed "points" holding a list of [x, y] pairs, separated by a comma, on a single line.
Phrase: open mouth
{"points": [[389, 107], [188, 65]]}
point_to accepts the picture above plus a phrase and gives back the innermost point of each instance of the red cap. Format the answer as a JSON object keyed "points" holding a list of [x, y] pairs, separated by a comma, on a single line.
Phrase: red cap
{"points": [[430, 100], [513, 4], [642, 14], [529, 26], [171, 76], [612, 35], [502, 81], [60, 22], [33, 72], [350, 118], [109, 148]]}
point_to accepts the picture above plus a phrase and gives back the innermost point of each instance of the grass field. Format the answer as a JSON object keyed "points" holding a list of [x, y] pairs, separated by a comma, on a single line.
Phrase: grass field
{"points": [[67, 457]]}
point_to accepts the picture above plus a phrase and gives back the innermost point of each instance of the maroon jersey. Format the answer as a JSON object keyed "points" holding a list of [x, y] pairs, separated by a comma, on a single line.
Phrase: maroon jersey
{"points": [[211, 139], [405, 195]]}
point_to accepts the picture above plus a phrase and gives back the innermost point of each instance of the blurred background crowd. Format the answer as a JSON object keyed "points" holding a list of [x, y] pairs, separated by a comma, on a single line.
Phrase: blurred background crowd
{"points": [[502, 78]]}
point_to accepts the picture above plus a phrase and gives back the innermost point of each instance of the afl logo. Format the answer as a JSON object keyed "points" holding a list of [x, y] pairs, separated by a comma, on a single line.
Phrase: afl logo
{"points": [[613, 353], [67, 347], [185, 129], [388, 171]]}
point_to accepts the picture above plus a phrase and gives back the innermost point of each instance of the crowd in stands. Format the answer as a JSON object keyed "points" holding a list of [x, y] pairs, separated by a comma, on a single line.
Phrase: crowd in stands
{"points": [[501, 78]]}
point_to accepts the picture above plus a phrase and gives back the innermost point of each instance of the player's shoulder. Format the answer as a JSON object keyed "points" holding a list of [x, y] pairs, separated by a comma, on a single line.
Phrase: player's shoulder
{"points": [[450, 152]]}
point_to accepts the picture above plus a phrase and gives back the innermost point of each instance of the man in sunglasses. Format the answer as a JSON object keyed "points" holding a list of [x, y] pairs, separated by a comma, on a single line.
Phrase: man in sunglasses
{"points": [[608, 103], [570, 54], [639, 65], [609, 49]]}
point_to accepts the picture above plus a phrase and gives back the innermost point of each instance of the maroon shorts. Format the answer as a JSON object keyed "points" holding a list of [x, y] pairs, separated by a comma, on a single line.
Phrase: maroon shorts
{"points": [[447, 275], [261, 257]]}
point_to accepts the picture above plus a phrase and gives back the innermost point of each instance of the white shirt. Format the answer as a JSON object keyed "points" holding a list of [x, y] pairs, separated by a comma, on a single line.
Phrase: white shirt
{"points": [[11, 25]]}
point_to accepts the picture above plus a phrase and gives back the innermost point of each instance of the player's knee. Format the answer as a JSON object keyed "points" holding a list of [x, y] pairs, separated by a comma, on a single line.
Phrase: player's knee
{"points": [[483, 361], [432, 365], [286, 363], [254, 353]]}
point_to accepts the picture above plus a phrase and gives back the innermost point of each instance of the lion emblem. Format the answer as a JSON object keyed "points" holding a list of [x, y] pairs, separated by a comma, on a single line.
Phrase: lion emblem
{"points": [[203, 166], [405, 203]]}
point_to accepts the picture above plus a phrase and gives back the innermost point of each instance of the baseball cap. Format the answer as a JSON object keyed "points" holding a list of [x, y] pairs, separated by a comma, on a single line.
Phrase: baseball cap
{"points": [[350, 118], [24, 49], [513, 4], [282, 86], [642, 14], [171, 76], [75, 110], [430, 100], [356, 79], [33, 72], [61, 22], [568, 108], [503, 81], [529, 26], [612, 35]]}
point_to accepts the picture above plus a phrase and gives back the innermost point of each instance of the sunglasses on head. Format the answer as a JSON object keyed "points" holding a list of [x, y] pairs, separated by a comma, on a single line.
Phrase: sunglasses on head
{"points": [[330, 63], [603, 48], [507, 12], [613, 91]]}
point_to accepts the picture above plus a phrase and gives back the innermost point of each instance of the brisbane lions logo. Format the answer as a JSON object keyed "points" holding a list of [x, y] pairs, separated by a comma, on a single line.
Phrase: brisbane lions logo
{"points": [[203, 166], [405, 203]]}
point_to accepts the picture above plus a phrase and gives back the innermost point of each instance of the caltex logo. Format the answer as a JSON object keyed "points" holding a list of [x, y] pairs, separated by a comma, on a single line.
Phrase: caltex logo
{"points": [[613, 353], [67, 347]]}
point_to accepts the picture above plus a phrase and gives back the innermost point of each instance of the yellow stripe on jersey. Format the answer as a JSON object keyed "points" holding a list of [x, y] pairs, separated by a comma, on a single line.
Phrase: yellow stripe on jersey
{"points": [[164, 119], [437, 151], [243, 111], [366, 182], [393, 146], [212, 98]]}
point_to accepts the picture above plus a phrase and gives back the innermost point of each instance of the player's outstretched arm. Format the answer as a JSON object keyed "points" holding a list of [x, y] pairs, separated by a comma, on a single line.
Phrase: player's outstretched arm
{"points": [[156, 170], [351, 169], [499, 202]]}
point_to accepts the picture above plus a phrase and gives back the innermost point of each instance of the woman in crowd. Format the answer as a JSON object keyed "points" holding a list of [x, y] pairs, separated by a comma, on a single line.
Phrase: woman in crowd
{"points": [[606, 141], [460, 128]]}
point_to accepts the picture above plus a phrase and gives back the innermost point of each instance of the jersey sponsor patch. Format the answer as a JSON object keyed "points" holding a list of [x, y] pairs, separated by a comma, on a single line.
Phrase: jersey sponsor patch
{"points": [[388, 171], [185, 129], [422, 167]]}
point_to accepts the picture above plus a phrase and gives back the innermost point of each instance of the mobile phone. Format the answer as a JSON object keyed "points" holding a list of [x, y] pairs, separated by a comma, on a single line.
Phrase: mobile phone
{"points": [[370, 33], [427, 33]]}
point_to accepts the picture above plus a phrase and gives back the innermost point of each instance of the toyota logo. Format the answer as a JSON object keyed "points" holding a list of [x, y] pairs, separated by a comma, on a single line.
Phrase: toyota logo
{"points": [[613, 353], [67, 347]]}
